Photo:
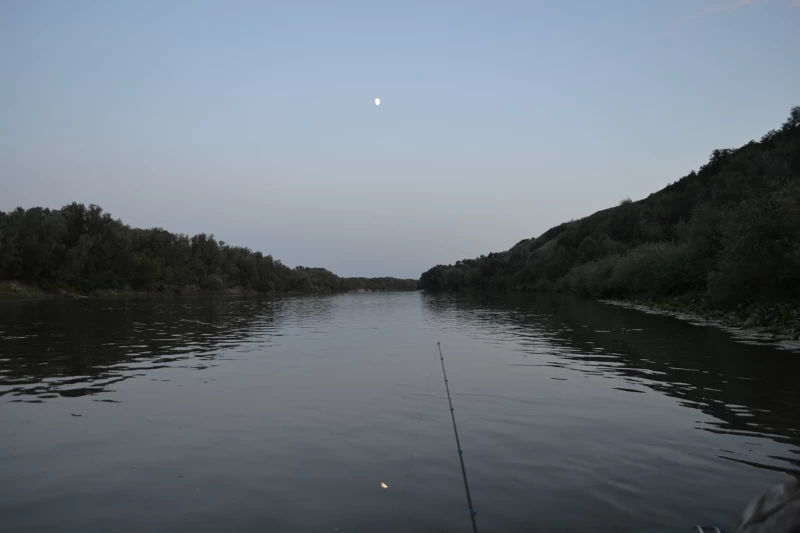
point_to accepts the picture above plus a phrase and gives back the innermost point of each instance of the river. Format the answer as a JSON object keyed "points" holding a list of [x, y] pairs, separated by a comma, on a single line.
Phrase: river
{"points": [[286, 414]]}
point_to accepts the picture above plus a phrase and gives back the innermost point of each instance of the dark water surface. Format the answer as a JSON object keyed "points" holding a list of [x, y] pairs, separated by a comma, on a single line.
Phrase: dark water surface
{"points": [[226, 414]]}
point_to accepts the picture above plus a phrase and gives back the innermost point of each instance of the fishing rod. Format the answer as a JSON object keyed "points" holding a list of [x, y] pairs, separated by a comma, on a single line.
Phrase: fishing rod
{"points": [[472, 512]]}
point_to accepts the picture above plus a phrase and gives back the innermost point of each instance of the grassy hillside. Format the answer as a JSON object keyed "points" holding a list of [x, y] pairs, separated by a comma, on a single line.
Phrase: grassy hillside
{"points": [[728, 233], [82, 249]]}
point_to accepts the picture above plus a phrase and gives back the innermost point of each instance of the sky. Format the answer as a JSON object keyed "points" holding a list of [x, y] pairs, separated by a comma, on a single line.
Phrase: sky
{"points": [[255, 121]]}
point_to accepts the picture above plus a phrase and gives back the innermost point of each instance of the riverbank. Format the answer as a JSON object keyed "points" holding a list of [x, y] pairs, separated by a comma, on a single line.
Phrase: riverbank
{"points": [[15, 289], [777, 323], [18, 290]]}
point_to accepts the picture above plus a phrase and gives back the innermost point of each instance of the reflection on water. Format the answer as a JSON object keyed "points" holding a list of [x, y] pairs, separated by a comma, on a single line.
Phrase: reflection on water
{"points": [[749, 391], [325, 412], [68, 349]]}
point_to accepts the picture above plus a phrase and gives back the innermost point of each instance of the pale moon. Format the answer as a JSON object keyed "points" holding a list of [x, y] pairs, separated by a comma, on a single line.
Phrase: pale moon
{"points": [[377, 101]]}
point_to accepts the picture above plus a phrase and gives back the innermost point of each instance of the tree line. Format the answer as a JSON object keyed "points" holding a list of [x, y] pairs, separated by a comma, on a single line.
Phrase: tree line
{"points": [[728, 233], [84, 249]]}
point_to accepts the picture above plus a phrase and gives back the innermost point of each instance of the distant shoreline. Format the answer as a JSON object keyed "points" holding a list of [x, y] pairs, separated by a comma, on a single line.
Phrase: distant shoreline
{"points": [[79, 250]]}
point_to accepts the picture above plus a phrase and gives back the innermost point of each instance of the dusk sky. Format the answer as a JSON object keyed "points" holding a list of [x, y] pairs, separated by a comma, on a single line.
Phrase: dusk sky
{"points": [[255, 121]]}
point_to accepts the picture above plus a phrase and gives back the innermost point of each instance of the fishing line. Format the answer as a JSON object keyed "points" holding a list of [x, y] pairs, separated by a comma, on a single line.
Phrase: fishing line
{"points": [[404, 493], [472, 512]]}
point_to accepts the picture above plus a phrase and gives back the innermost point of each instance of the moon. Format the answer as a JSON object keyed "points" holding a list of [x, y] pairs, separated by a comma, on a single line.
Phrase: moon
{"points": [[377, 101]]}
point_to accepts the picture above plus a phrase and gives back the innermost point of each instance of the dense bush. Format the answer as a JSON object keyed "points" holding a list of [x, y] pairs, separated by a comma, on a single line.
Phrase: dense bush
{"points": [[655, 269], [589, 279], [652, 269]]}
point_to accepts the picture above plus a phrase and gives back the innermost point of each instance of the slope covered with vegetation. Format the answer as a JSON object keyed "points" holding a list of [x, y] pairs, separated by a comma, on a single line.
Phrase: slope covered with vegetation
{"points": [[728, 234], [83, 249]]}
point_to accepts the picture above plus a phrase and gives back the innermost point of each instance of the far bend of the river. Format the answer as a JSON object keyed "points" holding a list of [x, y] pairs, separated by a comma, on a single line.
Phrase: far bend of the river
{"points": [[286, 415]]}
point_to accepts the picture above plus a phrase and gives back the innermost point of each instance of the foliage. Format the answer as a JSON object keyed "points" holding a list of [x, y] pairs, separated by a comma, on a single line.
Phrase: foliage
{"points": [[652, 269], [79, 248], [379, 284], [729, 232]]}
